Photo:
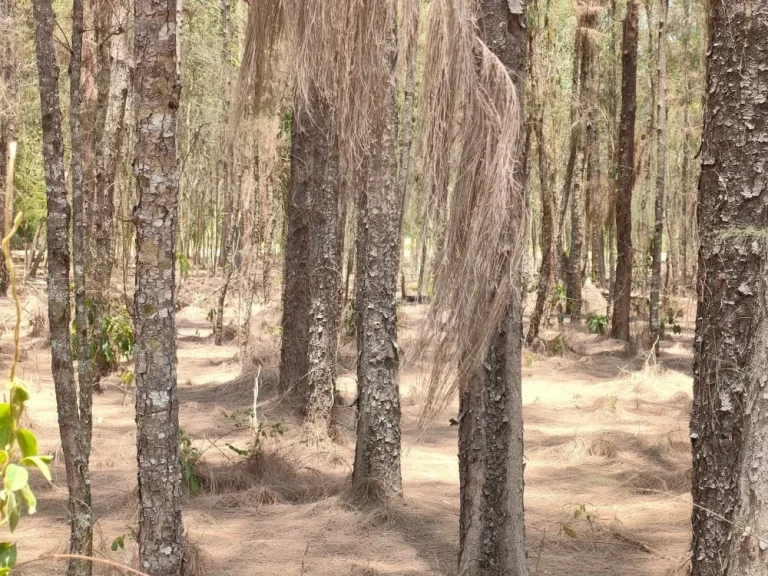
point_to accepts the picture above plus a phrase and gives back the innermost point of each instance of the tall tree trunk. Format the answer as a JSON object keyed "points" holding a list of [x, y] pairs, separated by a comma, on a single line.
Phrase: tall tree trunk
{"points": [[575, 145], [8, 75], [378, 452], [730, 407], [661, 176], [113, 91], [491, 520], [622, 291], [224, 163], [85, 391], [74, 419], [157, 91], [326, 263], [306, 149], [224, 170], [585, 157], [686, 152]]}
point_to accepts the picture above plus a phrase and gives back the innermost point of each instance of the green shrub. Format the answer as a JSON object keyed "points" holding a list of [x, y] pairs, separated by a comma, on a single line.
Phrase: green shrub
{"points": [[597, 323]]}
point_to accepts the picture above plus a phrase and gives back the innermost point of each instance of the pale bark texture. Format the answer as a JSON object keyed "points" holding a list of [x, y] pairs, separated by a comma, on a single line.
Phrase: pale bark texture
{"points": [[378, 452], [306, 143], [326, 261], [491, 520], [74, 419], [112, 85], [622, 285], [661, 176], [156, 166], [729, 425]]}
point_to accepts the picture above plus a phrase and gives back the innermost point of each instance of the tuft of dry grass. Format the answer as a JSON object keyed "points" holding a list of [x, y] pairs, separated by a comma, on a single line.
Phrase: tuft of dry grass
{"points": [[592, 445], [194, 562]]}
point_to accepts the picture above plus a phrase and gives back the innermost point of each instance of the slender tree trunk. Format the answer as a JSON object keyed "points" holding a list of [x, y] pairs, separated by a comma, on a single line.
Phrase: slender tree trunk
{"points": [[378, 452], [686, 153], [156, 165], [622, 296], [79, 256], [306, 150], [422, 265], [661, 177], [8, 75], [224, 164], [100, 208], [730, 407], [575, 145], [585, 157], [326, 262], [492, 525], [74, 419]]}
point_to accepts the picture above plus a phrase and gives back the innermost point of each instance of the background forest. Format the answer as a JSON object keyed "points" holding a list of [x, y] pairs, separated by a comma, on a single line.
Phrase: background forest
{"points": [[284, 256]]}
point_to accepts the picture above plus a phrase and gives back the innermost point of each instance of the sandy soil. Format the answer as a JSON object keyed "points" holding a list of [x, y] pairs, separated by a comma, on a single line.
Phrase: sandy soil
{"points": [[607, 477]]}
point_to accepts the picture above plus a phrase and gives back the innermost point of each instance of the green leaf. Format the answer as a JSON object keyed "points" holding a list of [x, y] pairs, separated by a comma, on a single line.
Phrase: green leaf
{"points": [[27, 442], [118, 543], [7, 555], [40, 462], [29, 498], [3, 457], [6, 425], [20, 393], [16, 478], [13, 511]]}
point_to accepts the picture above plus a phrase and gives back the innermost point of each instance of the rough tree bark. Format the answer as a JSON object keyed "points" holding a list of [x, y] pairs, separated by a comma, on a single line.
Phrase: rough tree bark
{"points": [[156, 166], [377, 456], [661, 176], [622, 287], [306, 148], [326, 262], [729, 416], [74, 418], [492, 526]]}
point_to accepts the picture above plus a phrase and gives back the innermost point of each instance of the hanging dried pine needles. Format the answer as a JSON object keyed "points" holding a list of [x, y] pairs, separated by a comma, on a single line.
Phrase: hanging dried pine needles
{"points": [[470, 123]]}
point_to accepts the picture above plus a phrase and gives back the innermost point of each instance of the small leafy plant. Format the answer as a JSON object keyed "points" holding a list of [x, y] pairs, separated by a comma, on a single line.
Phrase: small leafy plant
{"points": [[597, 323], [189, 455], [119, 340], [253, 450]]}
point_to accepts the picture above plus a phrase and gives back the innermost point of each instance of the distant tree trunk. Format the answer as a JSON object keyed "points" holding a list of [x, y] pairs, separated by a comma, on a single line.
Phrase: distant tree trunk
{"points": [[422, 266], [378, 452], [248, 266], [622, 290], [156, 165], [661, 176], [574, 147], [585, 157], [547, 175], [8, 74], [224, 170], [685, 183], [592, 161], [100, 208], [74, 417], [224, 164], [491, 520], [730, 407], [306, 149], [326, 263]]}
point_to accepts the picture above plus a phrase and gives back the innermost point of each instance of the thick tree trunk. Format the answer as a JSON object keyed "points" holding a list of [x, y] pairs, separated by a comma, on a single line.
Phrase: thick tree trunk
{"points": [[157, 91], [378, 452], [492, 525], [306, 149], [728, 419], [661, 177], [74, 419], [326, 262], [622, 287]]}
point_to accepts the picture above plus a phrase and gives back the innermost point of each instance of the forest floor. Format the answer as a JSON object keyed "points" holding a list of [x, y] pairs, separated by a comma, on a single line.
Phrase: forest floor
{"points": [[607, 462]]}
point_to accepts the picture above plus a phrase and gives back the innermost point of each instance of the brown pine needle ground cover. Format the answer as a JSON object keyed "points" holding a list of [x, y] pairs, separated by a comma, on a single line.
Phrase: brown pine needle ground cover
{"points": [[607, 476]]}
